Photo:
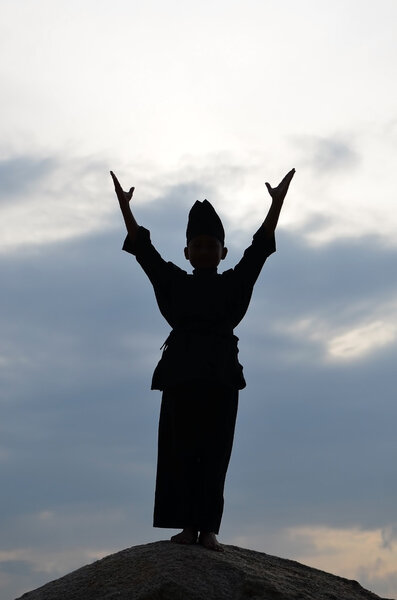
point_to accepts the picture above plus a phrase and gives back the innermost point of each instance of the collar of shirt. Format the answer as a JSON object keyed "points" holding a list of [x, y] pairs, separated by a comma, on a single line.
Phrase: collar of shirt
{"points": [[205, 272]]}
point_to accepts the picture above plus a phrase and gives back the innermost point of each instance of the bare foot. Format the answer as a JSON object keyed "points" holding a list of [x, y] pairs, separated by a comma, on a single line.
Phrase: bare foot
{"points": [[187, 536], [208, 540]]}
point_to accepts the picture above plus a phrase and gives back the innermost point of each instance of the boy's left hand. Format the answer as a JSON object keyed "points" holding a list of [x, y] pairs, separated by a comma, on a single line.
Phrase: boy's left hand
{"points": [[278, 193]]}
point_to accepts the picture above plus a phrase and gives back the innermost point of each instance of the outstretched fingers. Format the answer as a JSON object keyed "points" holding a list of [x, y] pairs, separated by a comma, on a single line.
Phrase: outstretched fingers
{"points": [[117, 187], [284, 184], [121, 194], [115, 180], [282, 188], [287, 179]]}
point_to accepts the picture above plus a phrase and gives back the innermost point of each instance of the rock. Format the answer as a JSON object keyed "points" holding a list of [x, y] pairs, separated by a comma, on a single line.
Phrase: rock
{"points": [[167, 571]]}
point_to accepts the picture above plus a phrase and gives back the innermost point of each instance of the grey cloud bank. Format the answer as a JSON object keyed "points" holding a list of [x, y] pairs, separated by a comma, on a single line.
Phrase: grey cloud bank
{"points": [[19, 173], [327, 155], [315, 439]]}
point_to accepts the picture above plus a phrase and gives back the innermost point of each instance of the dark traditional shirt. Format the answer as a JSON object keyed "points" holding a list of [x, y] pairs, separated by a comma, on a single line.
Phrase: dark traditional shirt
{"points": [[202, 309]]}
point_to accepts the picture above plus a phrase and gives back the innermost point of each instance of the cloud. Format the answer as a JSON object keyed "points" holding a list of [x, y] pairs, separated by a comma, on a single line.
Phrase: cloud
{"points": [[351, 343], [389, 536], [74, 197], [46, 200], [337, 303], [355, 553], [362, 340], [20, 174], [338, 178], [326, 155]]}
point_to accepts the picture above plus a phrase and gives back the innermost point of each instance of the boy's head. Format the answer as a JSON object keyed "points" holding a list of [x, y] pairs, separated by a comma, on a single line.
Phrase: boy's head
{"points": [[205, 237]]}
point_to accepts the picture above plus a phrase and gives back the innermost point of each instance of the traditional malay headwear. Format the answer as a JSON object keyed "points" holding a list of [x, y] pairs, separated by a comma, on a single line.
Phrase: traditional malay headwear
{"points": [[203, 220]]}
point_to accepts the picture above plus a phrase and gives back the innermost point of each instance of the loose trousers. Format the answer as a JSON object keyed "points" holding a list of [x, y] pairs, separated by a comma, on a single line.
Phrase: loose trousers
{"points": [[195, 440]]}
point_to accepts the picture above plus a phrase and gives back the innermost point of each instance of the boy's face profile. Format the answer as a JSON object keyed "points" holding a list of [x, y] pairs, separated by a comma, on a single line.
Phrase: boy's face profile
{"points": [[205, 252]]}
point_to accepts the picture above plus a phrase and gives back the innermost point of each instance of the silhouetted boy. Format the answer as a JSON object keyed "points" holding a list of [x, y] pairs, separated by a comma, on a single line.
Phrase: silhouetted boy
{"points": [[199, 373]]}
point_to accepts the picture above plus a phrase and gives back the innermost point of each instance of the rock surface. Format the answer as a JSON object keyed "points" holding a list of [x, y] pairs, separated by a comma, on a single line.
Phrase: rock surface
{"points": [[166, 571]]}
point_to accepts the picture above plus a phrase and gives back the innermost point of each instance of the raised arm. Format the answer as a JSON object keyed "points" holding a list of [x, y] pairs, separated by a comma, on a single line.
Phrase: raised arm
{"points": [[278, 194], [124, 201]]}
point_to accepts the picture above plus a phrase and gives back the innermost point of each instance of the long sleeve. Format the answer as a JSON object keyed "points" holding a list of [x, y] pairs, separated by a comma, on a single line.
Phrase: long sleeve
{"points": [[146, 255], [255, 256]]}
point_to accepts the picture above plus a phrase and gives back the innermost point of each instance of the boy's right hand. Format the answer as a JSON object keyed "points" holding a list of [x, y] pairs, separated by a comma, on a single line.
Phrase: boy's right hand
{"points": [[123, 197]]}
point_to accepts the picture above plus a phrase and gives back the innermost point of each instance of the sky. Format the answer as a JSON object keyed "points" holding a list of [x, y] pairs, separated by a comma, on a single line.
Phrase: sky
{"points": [[186, 101]]}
